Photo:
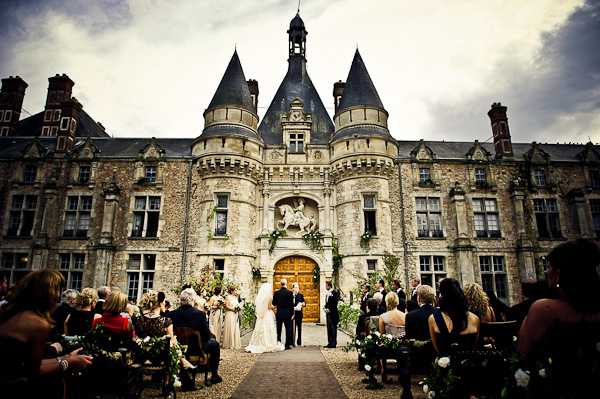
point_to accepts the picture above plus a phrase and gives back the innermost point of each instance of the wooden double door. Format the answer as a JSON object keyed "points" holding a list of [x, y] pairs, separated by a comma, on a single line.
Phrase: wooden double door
{"points": [[299, 269]]}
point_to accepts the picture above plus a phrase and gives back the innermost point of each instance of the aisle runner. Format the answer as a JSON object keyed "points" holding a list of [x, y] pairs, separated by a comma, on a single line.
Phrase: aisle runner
{"points": [[297, 373]]}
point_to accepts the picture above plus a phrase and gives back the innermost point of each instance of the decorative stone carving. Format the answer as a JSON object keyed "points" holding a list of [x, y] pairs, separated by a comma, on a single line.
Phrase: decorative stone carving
{"points": [[294, 216]]}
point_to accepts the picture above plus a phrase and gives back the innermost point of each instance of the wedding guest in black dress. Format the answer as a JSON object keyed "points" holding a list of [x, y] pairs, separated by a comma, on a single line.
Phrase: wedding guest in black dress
{"points": [[452, 322], [25, 324], [151, 323], [79, 322]]}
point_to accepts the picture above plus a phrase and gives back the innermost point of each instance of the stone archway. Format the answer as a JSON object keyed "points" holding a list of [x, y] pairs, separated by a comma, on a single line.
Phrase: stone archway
{"points": [[300, 269]]}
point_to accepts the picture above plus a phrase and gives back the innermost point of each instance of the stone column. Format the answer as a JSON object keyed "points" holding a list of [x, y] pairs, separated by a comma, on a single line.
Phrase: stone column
{"points": [[105, 247], [577, 201], [462, 244], [525, 248]]}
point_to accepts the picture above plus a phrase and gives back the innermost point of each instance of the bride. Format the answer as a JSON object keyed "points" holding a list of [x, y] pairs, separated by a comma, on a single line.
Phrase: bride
{"points": [[264, 336]]}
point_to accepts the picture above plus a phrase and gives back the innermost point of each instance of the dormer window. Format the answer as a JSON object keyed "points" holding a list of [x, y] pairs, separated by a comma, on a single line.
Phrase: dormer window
{"points": [[150, 174], [296, 142], [424, 175], [85, 172], [539, 177], [29, 174], [480, 177]]}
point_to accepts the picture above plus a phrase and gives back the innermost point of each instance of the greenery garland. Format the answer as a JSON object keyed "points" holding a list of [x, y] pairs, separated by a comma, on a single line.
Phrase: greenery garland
{"points": [[273, 237], [316, 274], [313, 240], [337, 257], [248, 315], [348, 316]]}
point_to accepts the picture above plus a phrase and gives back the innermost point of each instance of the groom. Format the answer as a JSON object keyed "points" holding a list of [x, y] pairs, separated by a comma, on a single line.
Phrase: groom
{"points": [[283, 299]]}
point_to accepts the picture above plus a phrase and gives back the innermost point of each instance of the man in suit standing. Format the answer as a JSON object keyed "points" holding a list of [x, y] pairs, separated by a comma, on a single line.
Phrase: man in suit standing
{"points": [[299, 304], [412, 302], [103, 294], [283, 299], [365, 298], [381, 288], [332, 297], [417, 321], [401, 295]]}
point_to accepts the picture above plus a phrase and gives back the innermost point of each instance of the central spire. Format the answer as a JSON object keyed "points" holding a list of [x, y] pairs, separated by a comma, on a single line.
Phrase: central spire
{"points": [[297, 37]]}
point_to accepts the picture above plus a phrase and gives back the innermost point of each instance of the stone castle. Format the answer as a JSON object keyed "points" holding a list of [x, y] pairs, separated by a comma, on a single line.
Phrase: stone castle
{"points": [[150, 213]]}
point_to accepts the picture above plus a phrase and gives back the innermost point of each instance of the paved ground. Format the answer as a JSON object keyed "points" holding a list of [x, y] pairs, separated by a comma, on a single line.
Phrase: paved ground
{"points": [[301, 372]]}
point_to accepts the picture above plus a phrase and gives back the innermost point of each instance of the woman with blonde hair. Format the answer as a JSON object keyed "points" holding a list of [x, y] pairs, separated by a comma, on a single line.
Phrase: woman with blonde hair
{"points": [[79, 321], [115, 318], [478, 303], [392, 321], [151, 323], [25, 324]]}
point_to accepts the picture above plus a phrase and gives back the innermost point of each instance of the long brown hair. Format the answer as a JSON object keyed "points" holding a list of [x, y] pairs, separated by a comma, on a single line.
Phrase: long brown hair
{"points": [[38, 291]]}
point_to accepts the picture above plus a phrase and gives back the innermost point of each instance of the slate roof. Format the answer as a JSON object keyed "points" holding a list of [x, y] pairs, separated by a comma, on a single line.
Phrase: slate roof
{"points": [[363, 131], [228, 130], [296, 83], [233, 88], [359, 89], [297, 22], [86, 126]]}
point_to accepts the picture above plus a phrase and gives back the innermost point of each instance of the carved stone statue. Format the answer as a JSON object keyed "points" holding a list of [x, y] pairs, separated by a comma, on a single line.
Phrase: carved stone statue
{"points": [[294, 216]]}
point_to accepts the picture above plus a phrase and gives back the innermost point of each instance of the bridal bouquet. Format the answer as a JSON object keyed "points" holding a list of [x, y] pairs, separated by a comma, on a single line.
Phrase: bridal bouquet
{"points": [[237, 309]]}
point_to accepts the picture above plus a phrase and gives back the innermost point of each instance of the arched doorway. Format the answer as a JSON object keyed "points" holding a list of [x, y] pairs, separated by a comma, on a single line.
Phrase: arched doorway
{"points": [[300, 269]]}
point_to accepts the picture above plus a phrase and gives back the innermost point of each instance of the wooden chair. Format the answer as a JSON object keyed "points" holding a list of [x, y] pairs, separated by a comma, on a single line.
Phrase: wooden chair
{"points": [[160, 367], [195, 352], [400, 366]]}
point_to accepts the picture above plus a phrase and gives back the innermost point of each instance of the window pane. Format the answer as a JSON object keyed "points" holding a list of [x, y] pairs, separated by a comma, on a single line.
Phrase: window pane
{"points": [[551, 205], [221, 223], [154, 203], [70, 220], [76, 280], [140, 203], [554, 222], [17, 201], [479, 221], [370, 224], [134, 262], [539, 205], [501, 291], [150, 174], [422, 227], [84, 173], [27, 224], [438, 264], [84, 223], [478, 205], [542, 225], [31, 202], [149, 262], [426, 279], [133, 283], [86, 203], [425, 263], [434, 204], [369, 201], [148, 281], [222, 200], [487, 282], [490, 205], [64, 261], [300, 146], [371, 265], [14, 223], [485, 264], [78, 261], [492, 222], [498, 263], [138, 224], [435, 223], [72, 203], [152, 227], [421, 203], [424, 174]]}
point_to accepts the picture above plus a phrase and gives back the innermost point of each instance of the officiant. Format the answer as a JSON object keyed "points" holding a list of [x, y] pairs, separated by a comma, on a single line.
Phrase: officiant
{"points": [[299, 304]]}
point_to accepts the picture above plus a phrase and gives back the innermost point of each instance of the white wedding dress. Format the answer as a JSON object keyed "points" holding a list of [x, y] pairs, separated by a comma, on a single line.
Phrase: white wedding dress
{"points": [[264, 336]]}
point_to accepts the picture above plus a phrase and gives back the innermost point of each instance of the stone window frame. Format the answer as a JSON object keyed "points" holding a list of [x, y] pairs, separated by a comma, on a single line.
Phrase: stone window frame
{"points": [[539, 176], [29, 173], [150, 178], [131, 216], [299, 143], [374, 263], [141, 283], [559, 219], [65, 210], [23, 208], [435, 275], [89, 173], [72, 268], [493, 273], [441, 213], [220, 210], [11, 269], [367, 209], [485, 212]]}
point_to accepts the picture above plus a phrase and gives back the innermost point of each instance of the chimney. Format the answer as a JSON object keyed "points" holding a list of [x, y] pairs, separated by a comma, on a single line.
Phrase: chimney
{"points": [[253, 87], [67, 126], [338, 92], [500, 131], [60, 88], [11, 103]]}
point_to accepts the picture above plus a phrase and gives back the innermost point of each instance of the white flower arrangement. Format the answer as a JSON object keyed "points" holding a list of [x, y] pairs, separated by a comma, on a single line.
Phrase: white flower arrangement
{"points": [[443, 362], [431, 395], [522, 378], [367, 367], [542, 373], [425, 388]]}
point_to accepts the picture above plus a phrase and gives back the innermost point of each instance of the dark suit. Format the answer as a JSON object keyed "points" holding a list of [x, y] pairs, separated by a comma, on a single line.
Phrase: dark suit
{"points": [[417, 323], [189, 316], [283, 299], [363, 302], [333, 317], [382, 305], [298, 315], [99, 306]]}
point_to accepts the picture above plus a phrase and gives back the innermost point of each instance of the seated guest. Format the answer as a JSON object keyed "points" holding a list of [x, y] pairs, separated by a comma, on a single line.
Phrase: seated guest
{"points": [[103, 294], [67, 305], [574, 273], [25, 324], [531, 291], [369, 321], [478, 303], [79, 322], [417, 321], [392, 321], [452, 323], [115, 318], [378, 296], [151, 323], [188, 316]]}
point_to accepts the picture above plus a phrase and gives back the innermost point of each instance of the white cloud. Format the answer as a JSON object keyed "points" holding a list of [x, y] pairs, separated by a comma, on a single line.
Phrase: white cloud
{"points": [[154, 72]]}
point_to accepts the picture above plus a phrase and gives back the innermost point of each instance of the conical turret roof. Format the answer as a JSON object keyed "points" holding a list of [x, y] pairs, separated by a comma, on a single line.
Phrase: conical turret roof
{"points": [[359, 89], [233, 89]]}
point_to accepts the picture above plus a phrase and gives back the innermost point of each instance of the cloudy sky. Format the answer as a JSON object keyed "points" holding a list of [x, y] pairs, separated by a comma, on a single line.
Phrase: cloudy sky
{"points": [[150, 67]]}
